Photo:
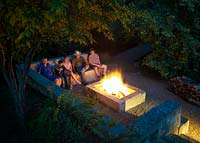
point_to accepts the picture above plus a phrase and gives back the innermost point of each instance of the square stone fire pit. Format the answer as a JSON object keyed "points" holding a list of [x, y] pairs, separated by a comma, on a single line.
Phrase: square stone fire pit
{"points": [[134, 97]]}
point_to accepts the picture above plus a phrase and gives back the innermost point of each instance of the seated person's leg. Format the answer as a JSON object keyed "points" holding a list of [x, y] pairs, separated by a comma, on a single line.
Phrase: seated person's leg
{"points": [[74, 77], [63, 83], [67, 82], [78, 70], [67, 78], [96, 70], [58, 81], [84, 68], [104, 67], [82, 73]]}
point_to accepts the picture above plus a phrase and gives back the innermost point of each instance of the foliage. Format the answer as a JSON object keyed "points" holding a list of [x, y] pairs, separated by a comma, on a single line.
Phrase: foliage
{"points": [[173, 30], [67, 120], [58, 21]]}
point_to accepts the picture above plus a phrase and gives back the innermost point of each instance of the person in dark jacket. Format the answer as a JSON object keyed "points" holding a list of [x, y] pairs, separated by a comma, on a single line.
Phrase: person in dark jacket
{"points": [[46, 70], [58, 69]]}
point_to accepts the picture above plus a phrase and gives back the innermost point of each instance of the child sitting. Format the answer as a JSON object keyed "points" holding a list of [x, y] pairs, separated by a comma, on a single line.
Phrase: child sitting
{"points": [[68, 70], [59, 69]]}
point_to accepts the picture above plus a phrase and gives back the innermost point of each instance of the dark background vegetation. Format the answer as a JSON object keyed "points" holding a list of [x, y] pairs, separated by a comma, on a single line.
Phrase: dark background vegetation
{"points": [[171, 26]]}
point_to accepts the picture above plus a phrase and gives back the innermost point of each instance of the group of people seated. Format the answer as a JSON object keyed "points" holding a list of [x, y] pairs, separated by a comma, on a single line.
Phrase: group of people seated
{"points": [[65, 71]]}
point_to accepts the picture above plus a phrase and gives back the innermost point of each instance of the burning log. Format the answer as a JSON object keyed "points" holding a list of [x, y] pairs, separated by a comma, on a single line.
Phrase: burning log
{"points": [[186, 88]]}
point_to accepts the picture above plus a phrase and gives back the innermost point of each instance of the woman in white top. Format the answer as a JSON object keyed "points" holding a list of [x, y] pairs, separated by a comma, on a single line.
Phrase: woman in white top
{"points": [[68, 69]]}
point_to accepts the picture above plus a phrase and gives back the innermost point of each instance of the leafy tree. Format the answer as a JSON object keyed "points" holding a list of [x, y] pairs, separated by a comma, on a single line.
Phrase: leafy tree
{"points": [[25, 25], [19, 39]]}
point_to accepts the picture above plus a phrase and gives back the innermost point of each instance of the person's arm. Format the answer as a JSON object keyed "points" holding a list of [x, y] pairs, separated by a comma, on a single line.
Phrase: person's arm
{"points": [[98, 59], [89, 60], [39, 69], [70, 66], [96, 65], [84, 61], [73, 65], [51, 68], [63, 65]]}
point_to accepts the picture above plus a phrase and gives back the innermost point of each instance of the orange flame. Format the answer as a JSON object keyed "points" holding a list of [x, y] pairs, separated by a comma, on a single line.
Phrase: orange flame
{"points": [[113, 84]]}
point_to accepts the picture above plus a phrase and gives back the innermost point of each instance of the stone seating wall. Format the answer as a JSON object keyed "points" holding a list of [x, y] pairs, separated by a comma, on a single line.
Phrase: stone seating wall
{"points": [[89, 76]]}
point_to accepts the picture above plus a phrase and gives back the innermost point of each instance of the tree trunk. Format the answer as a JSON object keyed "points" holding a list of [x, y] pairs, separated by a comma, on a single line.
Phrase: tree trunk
{"points": [[16, 78]]}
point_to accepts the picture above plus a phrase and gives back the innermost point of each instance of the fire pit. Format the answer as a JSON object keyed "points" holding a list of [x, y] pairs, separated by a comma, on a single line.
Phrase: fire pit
{"points": [[114, 93]]}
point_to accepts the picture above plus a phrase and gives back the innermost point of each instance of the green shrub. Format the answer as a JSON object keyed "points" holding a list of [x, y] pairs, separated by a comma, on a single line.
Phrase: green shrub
{"points": [[67, 120], [173, 30]]}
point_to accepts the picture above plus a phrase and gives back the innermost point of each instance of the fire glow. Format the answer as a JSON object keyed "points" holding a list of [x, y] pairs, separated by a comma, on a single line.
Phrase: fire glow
{"points": [[113, 85]]}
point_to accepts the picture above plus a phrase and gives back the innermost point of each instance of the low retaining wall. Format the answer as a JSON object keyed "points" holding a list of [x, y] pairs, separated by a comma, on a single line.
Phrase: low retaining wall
{"points": [[44, 86], [160, 121]]}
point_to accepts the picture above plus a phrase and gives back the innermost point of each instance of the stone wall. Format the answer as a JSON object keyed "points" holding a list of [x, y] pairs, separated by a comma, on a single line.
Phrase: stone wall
{"points": [[43, 85], [160, 121]]}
